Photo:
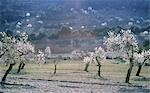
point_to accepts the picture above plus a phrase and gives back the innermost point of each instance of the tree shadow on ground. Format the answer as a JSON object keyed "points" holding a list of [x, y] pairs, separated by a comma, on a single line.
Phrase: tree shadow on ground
{"points": [[4, 85], [134, 90], [22, 72], [142, 78]]}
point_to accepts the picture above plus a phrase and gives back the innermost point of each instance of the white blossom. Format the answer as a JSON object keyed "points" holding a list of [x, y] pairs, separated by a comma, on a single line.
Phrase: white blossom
{"points": [[124, 42], [72, 9], [29, 25], [11, 54], [19, 23], [113, 42], [28, 14], [104, 24], [78, 54], [84, 11], [40, 21], [130, 23], [90, 8], [128, 37], [145, 32], [100, 52], [82, 27], [139, 57], [91, 57], [137, 21], [40, 57], [132, 19], [27, 20], [25, 47], [48, 52], [71, 28], [142, 57]]}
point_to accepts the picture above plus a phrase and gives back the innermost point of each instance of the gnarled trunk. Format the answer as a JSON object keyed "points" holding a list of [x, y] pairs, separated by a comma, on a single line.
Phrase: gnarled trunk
{"points": [[129, 71], [21, 66], [55, 68], [99, 67], [7, 72], [99, 70], [139, 70], [140, 67], [86, 67]]}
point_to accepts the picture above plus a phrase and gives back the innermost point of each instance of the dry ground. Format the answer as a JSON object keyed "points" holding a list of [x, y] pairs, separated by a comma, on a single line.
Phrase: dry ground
{"points": [[70, 77]]}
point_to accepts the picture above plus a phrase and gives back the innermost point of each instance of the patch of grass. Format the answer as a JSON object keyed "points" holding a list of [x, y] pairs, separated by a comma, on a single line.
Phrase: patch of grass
{"points": [[73, 70], [142, 79]]}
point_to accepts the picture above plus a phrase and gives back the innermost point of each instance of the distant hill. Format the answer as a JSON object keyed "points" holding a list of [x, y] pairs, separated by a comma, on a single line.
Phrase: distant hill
{"points": [[77, 13], [69, 24]]}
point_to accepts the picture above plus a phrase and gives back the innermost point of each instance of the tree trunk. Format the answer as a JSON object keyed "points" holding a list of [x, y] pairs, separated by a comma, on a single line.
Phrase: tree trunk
{"points": [[23, 65], [139, 70], [131, 65], [129, 71], [99, 67], [7, 72], [99, 70], [86, 67], [140, 67], [55, 68], [19, 68]]}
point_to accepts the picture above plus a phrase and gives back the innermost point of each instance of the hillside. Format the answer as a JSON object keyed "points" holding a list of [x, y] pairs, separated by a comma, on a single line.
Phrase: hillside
{"points": [[69, 24]]}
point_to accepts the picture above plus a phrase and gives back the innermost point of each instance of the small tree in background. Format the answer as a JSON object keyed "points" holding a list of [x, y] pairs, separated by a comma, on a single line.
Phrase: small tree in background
{"points": [[86, 56], [99, 55], [88, 60], [55, 61], [96, 56], [40, 57], [141, 58], [47, 52]]}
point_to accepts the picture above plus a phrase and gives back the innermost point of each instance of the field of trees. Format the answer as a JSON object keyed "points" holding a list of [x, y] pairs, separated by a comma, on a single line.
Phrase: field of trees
{"points": [[25, 64], [70, 77], [78, 46]]}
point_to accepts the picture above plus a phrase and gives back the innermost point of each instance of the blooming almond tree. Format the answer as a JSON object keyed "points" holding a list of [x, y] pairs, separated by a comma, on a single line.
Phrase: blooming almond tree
{"points": [[129, 46], [88, 60], [96, 56], [124, 42], [56, 61], [25, 48], [99, 55], [141, 58], [13, 50], [86, 56], [9, 53]]}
